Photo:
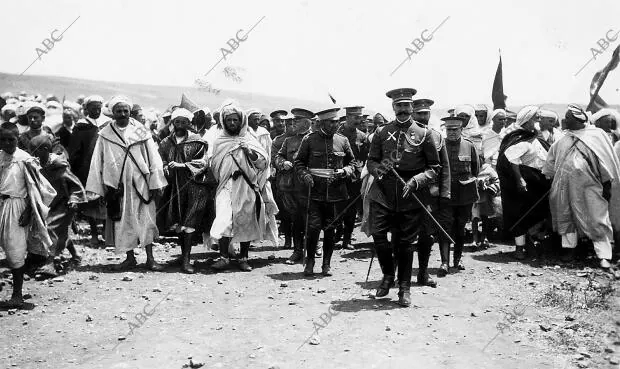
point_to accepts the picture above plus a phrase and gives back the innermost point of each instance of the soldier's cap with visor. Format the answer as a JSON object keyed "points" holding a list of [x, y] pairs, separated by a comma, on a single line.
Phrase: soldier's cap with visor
{"points": [[278, 114], [422, 105], [354, 110], [401, 94], [453, 122], [328, 114], [302, 113]]}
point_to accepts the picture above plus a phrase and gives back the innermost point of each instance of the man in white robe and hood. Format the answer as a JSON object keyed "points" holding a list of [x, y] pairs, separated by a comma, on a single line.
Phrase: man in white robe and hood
{"points": [[127, 170], [585, 193], [244, 206]]}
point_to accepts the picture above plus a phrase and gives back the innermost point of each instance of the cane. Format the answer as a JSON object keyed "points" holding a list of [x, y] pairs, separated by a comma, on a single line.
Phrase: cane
{"points": [[303, 257], [370, 265], [422, 205]]}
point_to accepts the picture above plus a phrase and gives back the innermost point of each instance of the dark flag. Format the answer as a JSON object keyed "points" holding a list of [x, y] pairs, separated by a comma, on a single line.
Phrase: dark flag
{"points": [[497, 94], [596, 102], [331, 97]]}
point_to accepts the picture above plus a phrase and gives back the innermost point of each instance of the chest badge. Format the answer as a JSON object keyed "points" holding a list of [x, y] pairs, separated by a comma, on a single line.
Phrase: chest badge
{"points": [[392, 136]]}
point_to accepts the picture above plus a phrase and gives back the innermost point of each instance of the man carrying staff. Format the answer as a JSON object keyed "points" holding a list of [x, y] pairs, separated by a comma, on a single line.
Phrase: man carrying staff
{"points": [[127, 171], [397, 155], [244, 205], [357, 141], [291, 191], [324, 161], [184, 156]]}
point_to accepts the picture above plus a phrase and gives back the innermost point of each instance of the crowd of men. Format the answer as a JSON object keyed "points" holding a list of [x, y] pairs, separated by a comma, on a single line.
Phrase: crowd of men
{"points": [[234, 177]]}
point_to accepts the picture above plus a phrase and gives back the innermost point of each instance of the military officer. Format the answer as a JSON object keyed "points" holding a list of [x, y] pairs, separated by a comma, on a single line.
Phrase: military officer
{"points": [[464, 168], [357, 141], [324, 162], [286, 223], [400, 151], [439, 191], [293, 192]]}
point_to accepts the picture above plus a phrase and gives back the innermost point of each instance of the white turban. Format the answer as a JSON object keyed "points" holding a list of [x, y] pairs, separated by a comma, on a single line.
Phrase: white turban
{"points": [[469, 110], [605, 112], [495, 113], [524, 115], [93, 98], [118, 100], [182, 112], [9, 107]]}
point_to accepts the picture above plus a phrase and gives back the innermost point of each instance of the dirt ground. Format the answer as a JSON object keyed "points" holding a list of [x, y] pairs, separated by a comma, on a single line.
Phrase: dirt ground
{"points": [[498, 313]]}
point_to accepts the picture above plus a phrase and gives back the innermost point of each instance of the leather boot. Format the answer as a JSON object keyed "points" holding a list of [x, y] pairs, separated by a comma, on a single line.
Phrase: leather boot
{"points": [[424, 254], [313, 239], [328, 250], [186, 249], [404, 293], [405, 261], [346, 242], [444, 251], [386, 261], [458, 252]]}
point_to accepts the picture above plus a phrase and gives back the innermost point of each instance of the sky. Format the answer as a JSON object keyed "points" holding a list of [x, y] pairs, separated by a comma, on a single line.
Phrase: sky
{"points": [[308, 48]]}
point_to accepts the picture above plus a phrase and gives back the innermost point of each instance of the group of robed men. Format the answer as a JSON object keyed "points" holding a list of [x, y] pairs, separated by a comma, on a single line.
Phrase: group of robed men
{"points": [[411, 182]]}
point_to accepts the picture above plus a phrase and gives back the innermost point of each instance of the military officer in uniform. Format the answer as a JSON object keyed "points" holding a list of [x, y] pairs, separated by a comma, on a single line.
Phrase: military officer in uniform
{"points": [[400, 151], [293, 192], [357, 141], [286, 223], [464, 169], [324, 162], [277, 123], [439, 191]]}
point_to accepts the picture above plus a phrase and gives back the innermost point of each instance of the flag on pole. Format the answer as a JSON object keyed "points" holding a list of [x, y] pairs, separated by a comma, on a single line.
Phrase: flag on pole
{"points": [[497, 93], [596, 102], [332, 98]]}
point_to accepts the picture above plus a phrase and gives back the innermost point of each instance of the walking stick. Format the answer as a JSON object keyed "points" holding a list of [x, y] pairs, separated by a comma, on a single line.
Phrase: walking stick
{"points": [[303, 257], [422, 205], [370, 265]]}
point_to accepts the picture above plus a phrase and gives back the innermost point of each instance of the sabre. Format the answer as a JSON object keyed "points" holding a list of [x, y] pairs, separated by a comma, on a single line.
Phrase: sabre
{"points": [[422, 205]]}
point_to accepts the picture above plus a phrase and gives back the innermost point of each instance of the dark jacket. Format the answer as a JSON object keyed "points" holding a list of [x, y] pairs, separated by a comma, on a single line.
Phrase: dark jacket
{"points": [[464, 169], [287, 180], [320, 151], [81, 148], [389, 149]]}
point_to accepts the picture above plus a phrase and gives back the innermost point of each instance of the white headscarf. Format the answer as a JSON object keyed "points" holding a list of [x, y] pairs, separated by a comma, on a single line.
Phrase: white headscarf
{"points": [[605, 112], [182, 112], [524, 115], [117, 100], [469, 110]]}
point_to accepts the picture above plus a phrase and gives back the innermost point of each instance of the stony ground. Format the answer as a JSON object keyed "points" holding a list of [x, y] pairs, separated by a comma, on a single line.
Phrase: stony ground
{"points": [[498, 313]]}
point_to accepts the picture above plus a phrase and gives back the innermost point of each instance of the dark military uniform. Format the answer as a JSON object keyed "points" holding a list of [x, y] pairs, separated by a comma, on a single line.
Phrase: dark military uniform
{"points": [[439, 203], [464, 169], [357, 141], [284, 211], [320, 155], [292, 192], [388, 209]]}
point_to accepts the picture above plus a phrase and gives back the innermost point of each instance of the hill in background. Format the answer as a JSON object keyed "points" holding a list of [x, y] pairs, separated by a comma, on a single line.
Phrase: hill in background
{"points": [[161, 97]]}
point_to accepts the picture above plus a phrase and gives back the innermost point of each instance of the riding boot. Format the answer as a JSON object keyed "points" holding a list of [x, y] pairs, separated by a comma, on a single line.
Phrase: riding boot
{"points": [[444, 251], [386, 261], [186, 249], [405, 261], [424, 253], [328, 250], [312, 241], [298, 250]]}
